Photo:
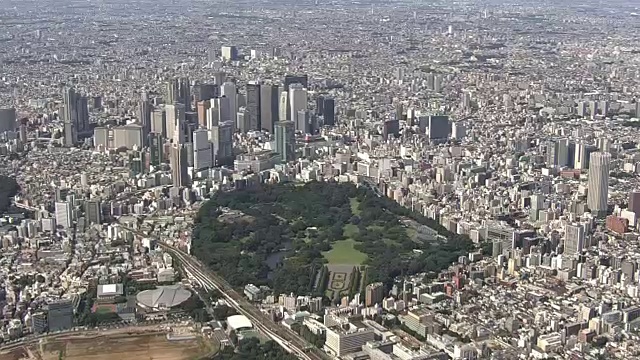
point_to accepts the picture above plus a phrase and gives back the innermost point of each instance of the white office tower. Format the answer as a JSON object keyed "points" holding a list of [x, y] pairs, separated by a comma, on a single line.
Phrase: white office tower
{"points": [[223, 107], [573, 239], [297, 98], [458, 130], [202, 154], [580, 156], [176, 119], [284, 106], [228, 89], [63, 214], [598, 192]]}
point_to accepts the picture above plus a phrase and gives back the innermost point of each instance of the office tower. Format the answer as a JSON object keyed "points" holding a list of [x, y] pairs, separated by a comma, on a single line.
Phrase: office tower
{"points": [[390, 128], [60, 315], [637, 108], [437, 83], [563, 152], [269, 103], [329, 112], [439, 127], [156, 148], [176, 121], [179, 173], [466, 100], [573, 239], [583, 109], [202, 154], [179, 91], [253, 106], [303, 121], [284, 107], [634, 202], [144, 115], [297, 99], [374, 293], [7, 119], [223, 108], [242, 121], [221, 137], [93, 212], [64, 216], [171, 90], [295, 79], [583, 155], [128, 136], [285, 140], [229, 53], [229, 91], [159, 122], [22, 129], [431, 80], [458, 130], [202, 107], [207, 91], [537, 204], [70, 117], [219, 78], [593, 109], [598, 183], [604, 107], [320, 105]]}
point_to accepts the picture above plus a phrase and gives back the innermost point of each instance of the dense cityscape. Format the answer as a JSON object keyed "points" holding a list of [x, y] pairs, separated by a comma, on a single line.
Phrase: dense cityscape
{"points": [[355, 180]]}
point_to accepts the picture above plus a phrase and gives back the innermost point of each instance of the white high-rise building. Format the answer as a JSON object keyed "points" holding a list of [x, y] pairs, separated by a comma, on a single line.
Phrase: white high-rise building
{"points": [[229, 90], [176, 119], [202, 154], [599, 165], [573, 239], [297, 98], [284, 106], [64, 216]]}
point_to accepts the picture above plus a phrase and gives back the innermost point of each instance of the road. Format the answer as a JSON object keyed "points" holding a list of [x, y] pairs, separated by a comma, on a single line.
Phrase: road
{"points": [[289, 340]]}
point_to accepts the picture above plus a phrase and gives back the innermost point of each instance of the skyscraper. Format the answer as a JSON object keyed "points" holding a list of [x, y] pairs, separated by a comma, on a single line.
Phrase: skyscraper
{"points": [[285, 140], [269, 103], [221, 137], [179, 91], [374, 293], [297, 100], [634, 202], [296, 79], [329, 111], [70, 117], [64, 216], [228, 89], [229, 53], [284, 107], [303, 121], [439, 127], [253, 106], [7, 119], [144, 115], [93, 212], [598, 192], [573, 239], [156, 148], [179, 173], [202, 154], [176, 121], [159, 122]]}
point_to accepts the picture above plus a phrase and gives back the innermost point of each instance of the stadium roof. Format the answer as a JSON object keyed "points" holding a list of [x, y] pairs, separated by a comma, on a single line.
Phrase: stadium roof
{"points": [[163, 297], [237, 322]]}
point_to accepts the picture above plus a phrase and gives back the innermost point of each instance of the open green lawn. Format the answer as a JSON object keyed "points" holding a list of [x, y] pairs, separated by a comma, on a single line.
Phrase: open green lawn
{"points": [[350, 231], [342, 252], [355, 206]]}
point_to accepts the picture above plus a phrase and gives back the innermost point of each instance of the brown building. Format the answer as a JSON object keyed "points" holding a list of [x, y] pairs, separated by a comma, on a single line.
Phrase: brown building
{"points": [[617, 224], [202, 108], [374, 294]]}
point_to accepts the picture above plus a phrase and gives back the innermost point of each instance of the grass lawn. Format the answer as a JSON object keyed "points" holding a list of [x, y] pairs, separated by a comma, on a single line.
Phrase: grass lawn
{"points": [[350, 230], [355, 206], [342, 252]]}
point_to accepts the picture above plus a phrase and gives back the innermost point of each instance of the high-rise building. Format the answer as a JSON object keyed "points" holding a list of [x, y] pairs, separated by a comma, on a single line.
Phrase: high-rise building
{"points": [[221, 137], [64, 216], [297, 99], [176, 121], [179, 170], [599, 165], [7, 119], [229, 53], [303, 121], [60, 315], [128, 136], [93, 211], [70, 117], [228, 90], [144, 115], [285, 140], [329, 111], [284, 109], [201, 108], [159, 122], [207, 92], [374, 293], [439, 127], [179, 91], [634, 202], [390, 128], [295, 79], [573, 239], [202, 154], [242, 122], [156, 149], [269, 103], [320, 105], [458, 130], [253, 106]]}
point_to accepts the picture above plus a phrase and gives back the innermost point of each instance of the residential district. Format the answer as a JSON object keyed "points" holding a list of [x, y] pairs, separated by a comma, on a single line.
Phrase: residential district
{"points": [[514, 125]]}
